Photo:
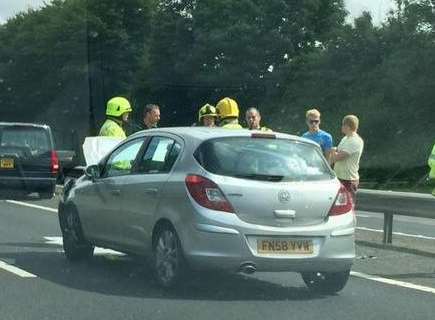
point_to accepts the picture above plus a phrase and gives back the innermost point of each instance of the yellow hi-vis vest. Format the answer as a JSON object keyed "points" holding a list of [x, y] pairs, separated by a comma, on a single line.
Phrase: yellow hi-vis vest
{"points": [[111, 129], [431, 163], [230, 124]]}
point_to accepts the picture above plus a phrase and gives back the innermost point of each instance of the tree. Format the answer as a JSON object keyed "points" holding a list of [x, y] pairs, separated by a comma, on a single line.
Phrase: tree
{"points": [[204, 50], [65, 60]]}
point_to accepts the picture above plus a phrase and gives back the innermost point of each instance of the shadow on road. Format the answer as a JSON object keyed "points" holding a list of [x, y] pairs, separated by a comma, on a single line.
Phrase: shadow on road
{"points": [[391, 247], [125, 276]]}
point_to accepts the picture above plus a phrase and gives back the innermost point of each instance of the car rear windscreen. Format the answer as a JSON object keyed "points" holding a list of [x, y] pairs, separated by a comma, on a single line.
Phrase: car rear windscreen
{"points": [[33, 139], [263, 159]]}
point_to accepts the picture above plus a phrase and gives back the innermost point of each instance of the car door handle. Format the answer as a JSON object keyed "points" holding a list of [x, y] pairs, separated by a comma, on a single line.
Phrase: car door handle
{"points": [[285, 213], [115, 192], [151, 191]]}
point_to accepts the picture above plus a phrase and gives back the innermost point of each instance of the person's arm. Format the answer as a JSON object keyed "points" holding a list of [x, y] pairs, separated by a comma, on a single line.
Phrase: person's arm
{"points": [[328, 149], [340, 155], [347, 149], [328, 155]]}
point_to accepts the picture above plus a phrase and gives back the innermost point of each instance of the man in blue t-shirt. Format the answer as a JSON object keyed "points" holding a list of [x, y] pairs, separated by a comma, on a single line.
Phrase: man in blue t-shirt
{"points": [[323, 138]]}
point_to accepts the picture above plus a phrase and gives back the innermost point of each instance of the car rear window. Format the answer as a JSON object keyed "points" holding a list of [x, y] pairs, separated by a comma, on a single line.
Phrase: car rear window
{"points": [[263, 159], [34, 140]]}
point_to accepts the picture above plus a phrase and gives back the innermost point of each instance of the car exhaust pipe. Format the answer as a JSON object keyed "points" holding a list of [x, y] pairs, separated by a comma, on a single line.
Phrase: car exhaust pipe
{"points": [[247, 268]]}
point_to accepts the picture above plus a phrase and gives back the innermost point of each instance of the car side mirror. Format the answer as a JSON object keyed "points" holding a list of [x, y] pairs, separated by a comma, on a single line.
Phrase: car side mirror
{"points": [[92, 172]]}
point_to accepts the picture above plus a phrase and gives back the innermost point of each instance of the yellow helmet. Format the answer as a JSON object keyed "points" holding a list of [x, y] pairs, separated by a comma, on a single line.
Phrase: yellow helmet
{"points": [[117, 106], [227, 108], [207, 110]]}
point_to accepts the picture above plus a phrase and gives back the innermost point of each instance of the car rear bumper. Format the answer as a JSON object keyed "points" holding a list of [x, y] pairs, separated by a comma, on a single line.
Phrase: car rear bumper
{"points": [[25, 185], [209, 246]]}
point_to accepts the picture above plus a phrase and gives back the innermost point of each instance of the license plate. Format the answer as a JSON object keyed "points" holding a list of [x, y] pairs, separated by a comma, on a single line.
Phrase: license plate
{"points": [[7, 163], [284, 246]]}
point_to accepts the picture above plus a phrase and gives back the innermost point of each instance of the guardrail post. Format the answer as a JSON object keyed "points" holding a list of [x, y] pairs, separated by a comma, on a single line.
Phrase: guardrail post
{"points": [[388, 228]]}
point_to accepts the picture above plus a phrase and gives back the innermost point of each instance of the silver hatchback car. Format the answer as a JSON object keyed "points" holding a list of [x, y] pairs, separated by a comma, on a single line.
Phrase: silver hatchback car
{"points": [[200, 198]]}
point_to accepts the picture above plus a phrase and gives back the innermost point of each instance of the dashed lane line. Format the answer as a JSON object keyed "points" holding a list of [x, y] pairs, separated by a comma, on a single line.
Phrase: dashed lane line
{"points": [[58, 241], [25, 274], [17, 271]]}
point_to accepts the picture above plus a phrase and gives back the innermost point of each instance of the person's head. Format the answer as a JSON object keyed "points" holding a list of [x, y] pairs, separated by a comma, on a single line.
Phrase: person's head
{"points": [[253, 118], [207, 115], [349, 124], [313, 120], [151, 115], [227, 108], [119, 108]]}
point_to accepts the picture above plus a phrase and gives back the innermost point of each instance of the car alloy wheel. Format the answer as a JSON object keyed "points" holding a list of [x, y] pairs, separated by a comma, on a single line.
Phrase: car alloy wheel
{"points": [[168, 257]]}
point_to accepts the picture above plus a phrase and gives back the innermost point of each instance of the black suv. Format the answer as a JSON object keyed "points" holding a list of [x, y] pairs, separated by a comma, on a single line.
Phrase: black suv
{"points": [[28, 160]]}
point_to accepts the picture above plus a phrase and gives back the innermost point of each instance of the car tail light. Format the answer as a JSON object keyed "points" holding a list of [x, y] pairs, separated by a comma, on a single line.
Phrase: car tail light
{"points": [[207, 194], [54, 162], [343, 203]]}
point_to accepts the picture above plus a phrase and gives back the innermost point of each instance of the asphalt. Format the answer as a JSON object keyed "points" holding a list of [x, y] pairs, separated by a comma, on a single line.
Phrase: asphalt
{"points": [[119, 287]]}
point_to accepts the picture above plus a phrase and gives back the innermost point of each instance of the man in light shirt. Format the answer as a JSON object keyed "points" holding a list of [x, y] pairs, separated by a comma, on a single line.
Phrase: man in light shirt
{"points": [[347, 155]]}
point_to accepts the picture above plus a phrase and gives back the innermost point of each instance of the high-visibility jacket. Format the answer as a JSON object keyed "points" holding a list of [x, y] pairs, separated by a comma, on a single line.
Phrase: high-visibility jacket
{"points": [[230, 124], [431, 163], [111, 128]]}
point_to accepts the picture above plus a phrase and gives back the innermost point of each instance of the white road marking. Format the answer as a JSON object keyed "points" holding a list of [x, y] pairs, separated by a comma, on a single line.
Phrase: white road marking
{"points": [[393, 282], [25, 204], [419, 236], [58, 241], [363, 216], [17, 271], [398, 218]]}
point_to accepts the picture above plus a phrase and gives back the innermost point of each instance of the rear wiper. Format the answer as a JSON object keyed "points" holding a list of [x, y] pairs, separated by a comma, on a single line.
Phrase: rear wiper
{"points": [[263, 177]]}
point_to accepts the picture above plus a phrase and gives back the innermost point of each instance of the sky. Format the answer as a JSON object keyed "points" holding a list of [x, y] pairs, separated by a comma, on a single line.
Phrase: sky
{"points": [[378, 8]]}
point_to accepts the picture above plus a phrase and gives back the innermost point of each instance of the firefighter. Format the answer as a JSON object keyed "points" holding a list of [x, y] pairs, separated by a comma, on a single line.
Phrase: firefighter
{"points": [[431, 163], [228, 112], [207, 116], [117, 112]]}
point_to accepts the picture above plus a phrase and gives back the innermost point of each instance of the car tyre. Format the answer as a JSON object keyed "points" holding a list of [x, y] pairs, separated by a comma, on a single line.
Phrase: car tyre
{"points": [[75, 246], [46, 195], [326, 282], [168, 261]]}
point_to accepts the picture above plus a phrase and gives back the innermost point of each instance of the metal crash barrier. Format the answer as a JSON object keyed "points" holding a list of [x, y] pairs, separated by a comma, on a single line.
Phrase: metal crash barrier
{"points": [[395, 203]]}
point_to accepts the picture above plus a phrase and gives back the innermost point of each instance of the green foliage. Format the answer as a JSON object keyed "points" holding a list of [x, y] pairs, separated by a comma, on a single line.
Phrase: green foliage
{"points": [[57, 62], [203, 50], [383, 75], [61, 63]]}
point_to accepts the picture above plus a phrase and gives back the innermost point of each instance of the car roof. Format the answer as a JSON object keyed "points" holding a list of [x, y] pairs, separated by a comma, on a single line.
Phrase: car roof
{"points": [[23, 124], [200, 134]]}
